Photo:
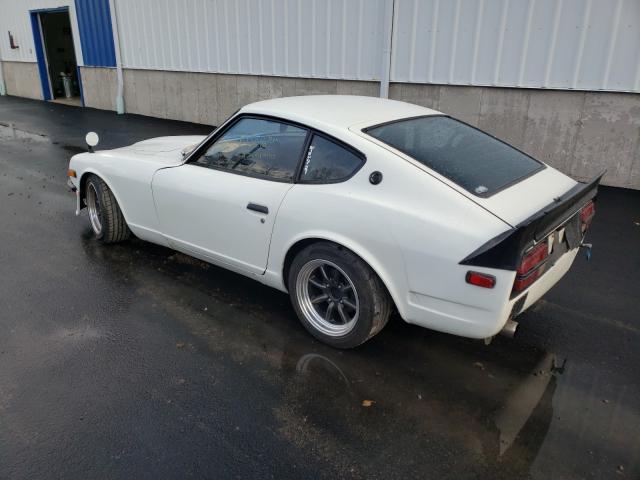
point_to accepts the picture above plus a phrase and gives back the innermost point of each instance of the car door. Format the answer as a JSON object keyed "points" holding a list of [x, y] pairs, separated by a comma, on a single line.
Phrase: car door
{"points": [[222, 203]]}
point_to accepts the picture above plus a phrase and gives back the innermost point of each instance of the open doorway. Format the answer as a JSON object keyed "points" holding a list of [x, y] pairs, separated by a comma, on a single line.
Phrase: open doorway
{"points": [[57, 56]]}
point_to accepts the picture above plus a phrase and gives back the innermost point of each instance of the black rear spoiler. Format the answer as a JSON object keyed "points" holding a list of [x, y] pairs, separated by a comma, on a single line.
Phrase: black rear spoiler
{"points": [[505, 250]]}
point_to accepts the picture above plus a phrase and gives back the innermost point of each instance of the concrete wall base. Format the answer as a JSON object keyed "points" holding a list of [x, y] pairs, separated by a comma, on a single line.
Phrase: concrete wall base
{"points": [[210, 98], [99, 87], [22, 79]]}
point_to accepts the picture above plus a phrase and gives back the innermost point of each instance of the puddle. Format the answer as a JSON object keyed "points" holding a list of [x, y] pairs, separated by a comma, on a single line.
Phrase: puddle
{"points": [[9, 132]]}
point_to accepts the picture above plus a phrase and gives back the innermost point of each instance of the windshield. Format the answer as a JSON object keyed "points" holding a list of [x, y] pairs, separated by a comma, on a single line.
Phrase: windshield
{"points": [[474, 160]]}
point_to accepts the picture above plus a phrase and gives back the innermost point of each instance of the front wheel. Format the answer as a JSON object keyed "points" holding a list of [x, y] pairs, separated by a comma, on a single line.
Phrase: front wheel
{"points": [[107, 222], [339, 299]]}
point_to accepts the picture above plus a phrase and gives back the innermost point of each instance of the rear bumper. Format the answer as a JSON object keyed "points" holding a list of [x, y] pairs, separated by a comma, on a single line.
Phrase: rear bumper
{"points": [[470, 321], [543, 284]]}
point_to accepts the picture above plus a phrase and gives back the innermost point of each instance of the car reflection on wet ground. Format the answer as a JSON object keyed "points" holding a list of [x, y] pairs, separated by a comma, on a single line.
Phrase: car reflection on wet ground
{"points": [[134, 361]]}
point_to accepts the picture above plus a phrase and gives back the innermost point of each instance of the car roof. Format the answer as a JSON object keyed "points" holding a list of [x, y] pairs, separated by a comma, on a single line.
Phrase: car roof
{"points": [[337, 111]]}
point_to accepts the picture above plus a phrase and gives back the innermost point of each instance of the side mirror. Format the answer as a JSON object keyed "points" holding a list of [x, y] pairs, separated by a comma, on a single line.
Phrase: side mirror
{"points": [[188, 149], [92, 140]]}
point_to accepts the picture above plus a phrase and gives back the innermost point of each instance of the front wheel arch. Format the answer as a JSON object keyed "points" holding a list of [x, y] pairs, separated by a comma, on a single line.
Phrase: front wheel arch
{"points": [[82, 185], [82, 189], [111, 223]]}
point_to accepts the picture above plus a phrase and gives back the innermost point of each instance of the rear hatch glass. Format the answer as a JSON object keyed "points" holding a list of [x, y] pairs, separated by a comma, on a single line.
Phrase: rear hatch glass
{"points": [[478, 162]]}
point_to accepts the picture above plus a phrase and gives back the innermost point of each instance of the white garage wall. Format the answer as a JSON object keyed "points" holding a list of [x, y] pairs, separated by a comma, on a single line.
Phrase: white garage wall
{"points": [[560, 44], [15, 18], [566, 44], [339, 39]]}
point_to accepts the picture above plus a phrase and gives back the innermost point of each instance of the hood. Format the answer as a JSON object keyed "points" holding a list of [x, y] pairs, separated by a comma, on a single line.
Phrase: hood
{"points": [[165, 144], [161, 150]]}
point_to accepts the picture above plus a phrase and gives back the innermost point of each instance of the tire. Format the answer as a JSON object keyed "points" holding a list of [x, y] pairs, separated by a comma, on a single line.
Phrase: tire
{"points": [[328, 270], [107, 222]]}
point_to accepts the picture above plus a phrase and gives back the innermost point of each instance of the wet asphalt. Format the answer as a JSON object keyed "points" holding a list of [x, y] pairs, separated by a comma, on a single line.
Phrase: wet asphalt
{"points": [[133, 361]]}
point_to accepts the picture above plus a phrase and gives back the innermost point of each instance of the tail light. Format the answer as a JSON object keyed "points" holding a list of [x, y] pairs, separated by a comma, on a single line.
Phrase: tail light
{"points": [[481, 279], [586, 215], [531, 267]]}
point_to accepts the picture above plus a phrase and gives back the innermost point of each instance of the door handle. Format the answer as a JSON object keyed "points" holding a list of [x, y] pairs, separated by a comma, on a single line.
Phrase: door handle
{"points": [[258, 208]]}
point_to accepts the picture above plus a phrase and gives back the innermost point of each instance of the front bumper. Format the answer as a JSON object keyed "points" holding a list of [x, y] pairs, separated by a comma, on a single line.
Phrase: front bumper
{"points": [[76, 190]]}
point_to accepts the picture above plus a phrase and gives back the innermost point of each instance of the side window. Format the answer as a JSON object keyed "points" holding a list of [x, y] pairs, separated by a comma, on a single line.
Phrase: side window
{"points": [[327, 162], [257, 147]]}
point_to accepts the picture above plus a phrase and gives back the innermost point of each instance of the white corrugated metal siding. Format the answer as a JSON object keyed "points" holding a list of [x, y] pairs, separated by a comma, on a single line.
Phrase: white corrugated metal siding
{"points": [[15, 18], [566, 44], [563, 44], [310, 38]]}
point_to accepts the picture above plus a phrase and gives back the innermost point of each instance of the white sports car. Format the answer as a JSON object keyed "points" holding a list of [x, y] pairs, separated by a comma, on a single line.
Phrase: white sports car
{"points": [[355, 206]]}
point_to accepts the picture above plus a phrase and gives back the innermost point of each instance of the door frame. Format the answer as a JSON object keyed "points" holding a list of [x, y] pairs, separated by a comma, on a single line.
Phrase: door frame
{"points": [[41, 55]]}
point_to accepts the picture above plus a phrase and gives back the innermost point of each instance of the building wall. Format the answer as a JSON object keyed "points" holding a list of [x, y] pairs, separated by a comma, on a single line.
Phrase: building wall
{"points": [[100, 87], [210, 98], [560, 44], [96, 34], [563, 44], [22, 80], [338, 39], [15, 19]]}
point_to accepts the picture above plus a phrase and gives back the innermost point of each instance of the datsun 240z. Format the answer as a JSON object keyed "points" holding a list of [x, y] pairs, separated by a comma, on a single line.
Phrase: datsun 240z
{"points": [[355, 206]]}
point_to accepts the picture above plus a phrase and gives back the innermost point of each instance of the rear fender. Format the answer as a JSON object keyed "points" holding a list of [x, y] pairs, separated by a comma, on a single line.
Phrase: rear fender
{"points": [[387, 277]]}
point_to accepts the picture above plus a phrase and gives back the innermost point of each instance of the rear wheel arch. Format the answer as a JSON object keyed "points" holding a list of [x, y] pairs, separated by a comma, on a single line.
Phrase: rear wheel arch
{"points": [[301, 244]]}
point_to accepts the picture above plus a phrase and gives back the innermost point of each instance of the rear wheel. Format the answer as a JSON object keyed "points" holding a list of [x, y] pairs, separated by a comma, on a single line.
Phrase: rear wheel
{"points": [[107, 222], [339, 299]]}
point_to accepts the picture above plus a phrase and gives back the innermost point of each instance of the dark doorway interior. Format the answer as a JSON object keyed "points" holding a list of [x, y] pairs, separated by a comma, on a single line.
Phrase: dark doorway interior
{"points": [[60, 56]]}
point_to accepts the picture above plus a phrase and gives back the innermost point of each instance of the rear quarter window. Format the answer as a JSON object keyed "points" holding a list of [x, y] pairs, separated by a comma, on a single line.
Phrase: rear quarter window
{"points": [[467, 156], [328, 162]]}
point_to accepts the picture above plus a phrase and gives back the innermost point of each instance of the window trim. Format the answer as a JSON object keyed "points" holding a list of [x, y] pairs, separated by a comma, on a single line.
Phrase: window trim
{"points": [[541, 165], [348, 148], [197, 154], [217, 133], [207, 139]]}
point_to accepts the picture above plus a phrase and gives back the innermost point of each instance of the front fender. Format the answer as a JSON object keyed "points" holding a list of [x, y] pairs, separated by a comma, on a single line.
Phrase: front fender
{"points": [[81, 193], [129, 179]]}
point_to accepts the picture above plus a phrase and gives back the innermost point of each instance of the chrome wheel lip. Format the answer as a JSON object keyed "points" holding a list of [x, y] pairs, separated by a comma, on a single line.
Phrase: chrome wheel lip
{"points": [[94, 208], [311, 314]]}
